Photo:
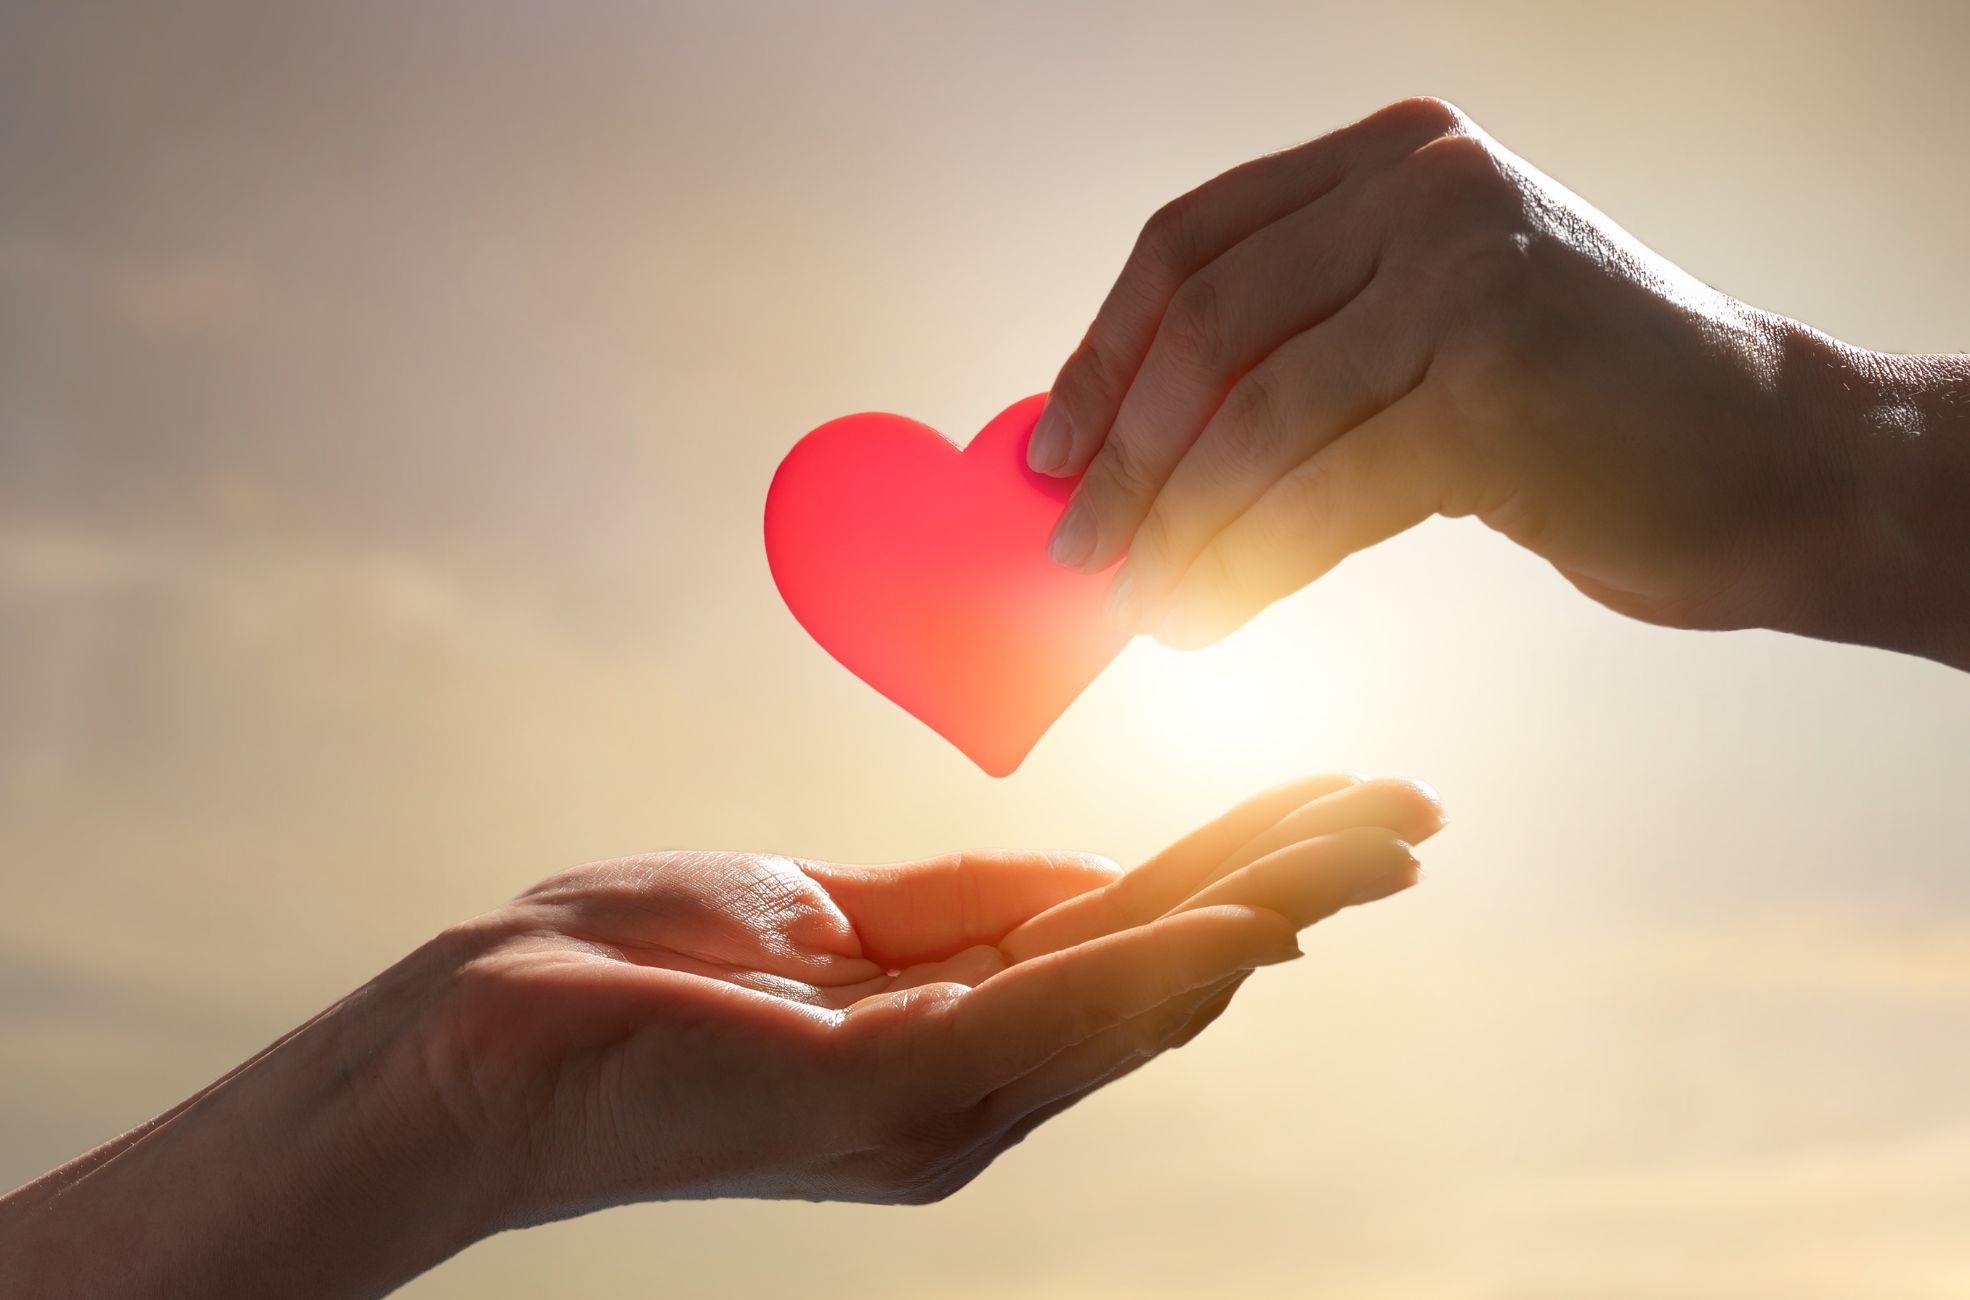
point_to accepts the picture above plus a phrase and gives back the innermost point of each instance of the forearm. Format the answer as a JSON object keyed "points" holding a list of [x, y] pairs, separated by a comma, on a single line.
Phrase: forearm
{"points": [[300, 1173], [1890, 566], [55, 1181]]}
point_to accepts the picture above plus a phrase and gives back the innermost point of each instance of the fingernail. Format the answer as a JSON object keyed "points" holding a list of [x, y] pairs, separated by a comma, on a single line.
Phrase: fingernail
{"points": [[1073, 537], [1123, 607], [1046, 449], [1279, 956]]}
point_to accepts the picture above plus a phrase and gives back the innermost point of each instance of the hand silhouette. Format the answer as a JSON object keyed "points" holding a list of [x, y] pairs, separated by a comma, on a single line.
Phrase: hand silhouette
{"points": [[1326, 345]]}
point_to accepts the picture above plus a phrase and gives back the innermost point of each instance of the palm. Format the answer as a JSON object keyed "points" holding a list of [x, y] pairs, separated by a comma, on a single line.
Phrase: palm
{"points": [[733, 1024], [762, 922]]}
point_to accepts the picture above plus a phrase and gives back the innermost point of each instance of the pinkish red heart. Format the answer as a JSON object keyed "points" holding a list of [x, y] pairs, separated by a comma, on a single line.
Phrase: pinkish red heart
{"points": [[924, 570]]}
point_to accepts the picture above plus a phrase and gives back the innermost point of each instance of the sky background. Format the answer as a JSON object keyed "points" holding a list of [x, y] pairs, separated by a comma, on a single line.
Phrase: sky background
{"points": [[388, 395]]}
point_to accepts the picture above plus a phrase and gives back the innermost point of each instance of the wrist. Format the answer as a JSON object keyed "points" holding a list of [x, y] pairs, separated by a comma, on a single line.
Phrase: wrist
{"points": [[1885, 559], [393, 1158], [325, 1167]]}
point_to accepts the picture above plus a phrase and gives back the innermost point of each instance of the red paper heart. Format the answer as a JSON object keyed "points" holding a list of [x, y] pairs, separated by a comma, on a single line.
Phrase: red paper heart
{"points": [[923, 569]]}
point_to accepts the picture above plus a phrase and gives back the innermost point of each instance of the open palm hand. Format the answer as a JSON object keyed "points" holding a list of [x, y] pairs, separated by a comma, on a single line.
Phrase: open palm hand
{"points": [[728, 1024]]}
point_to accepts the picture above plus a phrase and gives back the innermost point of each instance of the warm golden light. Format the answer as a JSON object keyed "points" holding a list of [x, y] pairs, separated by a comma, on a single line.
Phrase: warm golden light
{"points": [[388, 398]]}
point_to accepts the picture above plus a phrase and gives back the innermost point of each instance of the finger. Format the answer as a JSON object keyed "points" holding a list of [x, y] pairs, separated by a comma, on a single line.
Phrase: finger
{"points": [[1191, 232], [1312, 880], [1409, 810], [999, 1127], [971, 968], [1201, 1019], [1223, 321], [1017, 1021], [927, 911], [1104, 1058], [1206, 1014], [1166, 879], [1368, 485], [1310, 391]]}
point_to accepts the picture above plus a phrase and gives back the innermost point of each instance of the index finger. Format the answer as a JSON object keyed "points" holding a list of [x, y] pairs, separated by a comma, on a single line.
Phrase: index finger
{"points": [[1186, 235]]}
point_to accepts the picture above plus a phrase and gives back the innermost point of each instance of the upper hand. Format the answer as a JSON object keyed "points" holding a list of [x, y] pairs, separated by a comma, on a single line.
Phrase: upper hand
{"points": [[1325, 346]]}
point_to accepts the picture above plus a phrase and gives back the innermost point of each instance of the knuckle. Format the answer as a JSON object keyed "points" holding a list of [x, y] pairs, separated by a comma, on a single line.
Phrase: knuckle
{"points": [[1198, 1012], [1086, 382], [1151, 1037], [1192, 333], [1212, 572], [1089, 1008], [1082, 1019], [1503, 318], [1302, 496], [1463, 174], [1118, 474], [1168, 240], [1428, 113], [1207, 1014], [1244, 584], [1155, 537], [1255, 568], [1248, 422], [486, 983]]}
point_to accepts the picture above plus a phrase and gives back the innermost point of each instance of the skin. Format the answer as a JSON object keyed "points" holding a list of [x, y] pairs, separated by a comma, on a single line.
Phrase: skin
{"points": [[1325, 346], [689, 1025]]}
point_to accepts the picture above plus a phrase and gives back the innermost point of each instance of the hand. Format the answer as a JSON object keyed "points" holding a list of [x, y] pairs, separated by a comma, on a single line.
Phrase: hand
{"points": [[696, 1025], [1325, 346]]}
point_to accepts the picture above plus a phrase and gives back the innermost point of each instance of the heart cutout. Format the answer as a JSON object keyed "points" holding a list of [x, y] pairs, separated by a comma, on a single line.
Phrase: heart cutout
{"points": [[923, 570]]}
